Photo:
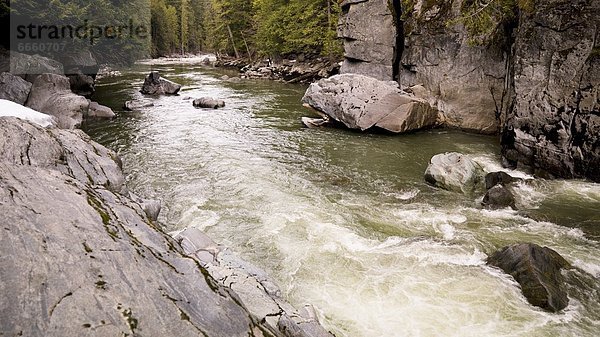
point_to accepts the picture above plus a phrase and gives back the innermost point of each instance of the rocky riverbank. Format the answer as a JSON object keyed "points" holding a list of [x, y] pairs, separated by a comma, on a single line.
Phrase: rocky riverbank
{"points": [[83, 256], [101, 265], [297, 70]]}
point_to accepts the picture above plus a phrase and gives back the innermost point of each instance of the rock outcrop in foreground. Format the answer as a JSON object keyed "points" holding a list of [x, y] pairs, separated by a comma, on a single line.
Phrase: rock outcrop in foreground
{"points": [[537, 270], [361, 102], [81, 258]]}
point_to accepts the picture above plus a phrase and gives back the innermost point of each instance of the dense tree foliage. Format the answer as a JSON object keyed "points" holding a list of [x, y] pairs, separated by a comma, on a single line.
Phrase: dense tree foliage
{"points": [[243, 28], [95, 17], [246, 28]]}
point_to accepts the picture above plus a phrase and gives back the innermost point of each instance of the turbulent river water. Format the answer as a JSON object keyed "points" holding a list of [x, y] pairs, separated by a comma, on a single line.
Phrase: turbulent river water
{"points": [[344, 220]]}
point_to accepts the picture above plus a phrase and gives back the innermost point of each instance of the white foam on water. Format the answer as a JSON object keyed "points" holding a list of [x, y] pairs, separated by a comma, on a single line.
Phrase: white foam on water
{"points": [[491, 164], [528, 196], [371, 266], [404, 195]]}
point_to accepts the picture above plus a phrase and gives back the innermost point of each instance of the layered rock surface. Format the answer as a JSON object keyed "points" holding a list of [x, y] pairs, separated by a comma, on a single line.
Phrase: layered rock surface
{"points": [[464, 81], [81, 258], [554, 124], [369, 33], [361, 102]]}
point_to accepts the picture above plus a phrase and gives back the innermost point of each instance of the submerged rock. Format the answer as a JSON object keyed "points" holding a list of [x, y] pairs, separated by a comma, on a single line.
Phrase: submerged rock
{"points": [[51, 94], [315, 122], [14, 88], [499, 178], [499, 197], [537, 270], [136, 105], [155, 85], [454, 172], [361, 102], [208, 103]]}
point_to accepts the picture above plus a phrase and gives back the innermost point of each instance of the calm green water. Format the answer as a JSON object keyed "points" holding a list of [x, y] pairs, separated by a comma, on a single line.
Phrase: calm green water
{"points": [[344, 220]]}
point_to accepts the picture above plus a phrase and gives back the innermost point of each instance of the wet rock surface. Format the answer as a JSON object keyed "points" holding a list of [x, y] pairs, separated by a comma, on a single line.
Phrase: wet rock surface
{"points": [[499, 197], [208, 103], [454, 172], [537, 270], [155, 85], [257, 291], [555, 122]]}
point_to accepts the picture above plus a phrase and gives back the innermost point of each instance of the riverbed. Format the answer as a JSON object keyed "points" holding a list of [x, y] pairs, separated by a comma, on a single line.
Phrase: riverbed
{"points": [[344, 220]]}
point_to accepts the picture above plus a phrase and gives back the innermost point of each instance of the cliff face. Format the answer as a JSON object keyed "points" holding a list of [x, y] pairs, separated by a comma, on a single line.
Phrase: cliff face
{"points": [[535, 82], [465, 82], [369, 33], [554, 121]]}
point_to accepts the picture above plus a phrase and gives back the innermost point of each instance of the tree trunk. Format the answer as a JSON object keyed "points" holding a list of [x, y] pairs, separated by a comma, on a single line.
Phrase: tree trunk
{"points": [[237, 55]]}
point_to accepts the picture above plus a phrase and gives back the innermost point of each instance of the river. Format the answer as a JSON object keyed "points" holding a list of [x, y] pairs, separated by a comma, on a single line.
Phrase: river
{"points": [[344, 220]]}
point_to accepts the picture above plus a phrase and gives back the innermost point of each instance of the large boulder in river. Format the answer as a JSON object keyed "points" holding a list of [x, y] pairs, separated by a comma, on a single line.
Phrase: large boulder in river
{"points": [[51, 94], [537, 270], [454, 172], [362, 102], [499, 197], [369, 44], [154, 85], [14, 88], [208, 103]]}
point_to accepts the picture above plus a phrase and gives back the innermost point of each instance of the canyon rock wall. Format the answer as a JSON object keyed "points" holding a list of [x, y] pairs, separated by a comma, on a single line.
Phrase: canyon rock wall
{"points": [[554, 122], [369, 33], [535, 81]]}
